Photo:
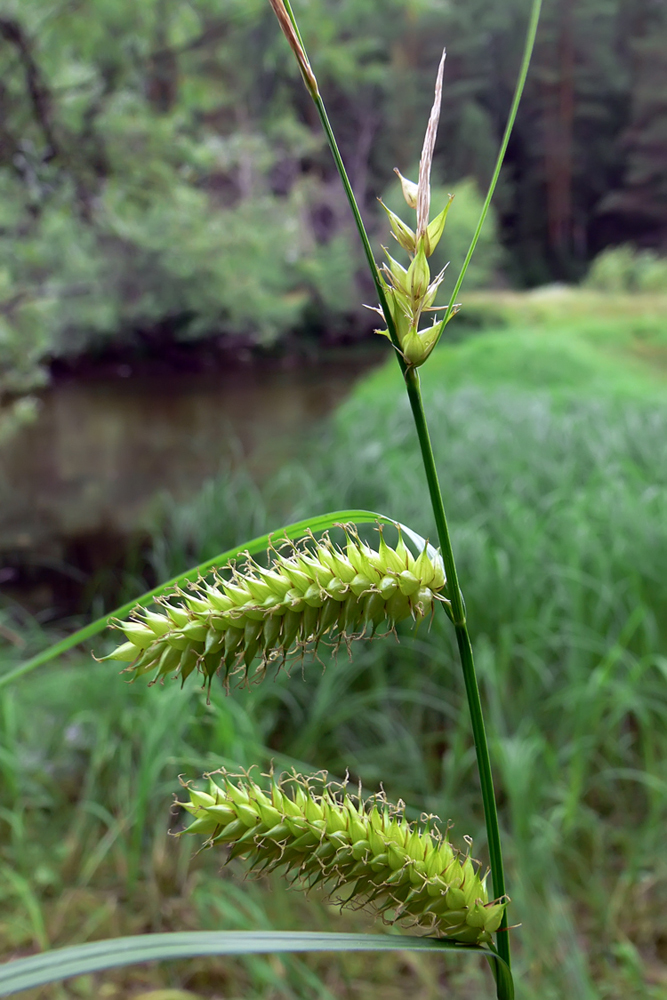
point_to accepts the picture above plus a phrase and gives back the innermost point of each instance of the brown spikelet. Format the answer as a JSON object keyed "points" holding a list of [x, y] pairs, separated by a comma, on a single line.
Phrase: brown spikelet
{"points": [[290, 34]]}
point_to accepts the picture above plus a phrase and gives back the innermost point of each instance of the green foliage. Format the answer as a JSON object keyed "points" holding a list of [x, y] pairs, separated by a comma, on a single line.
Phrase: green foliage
{"points": [[142, 195], [164, 257], [81, 960], [160, 176], [626, 269]]}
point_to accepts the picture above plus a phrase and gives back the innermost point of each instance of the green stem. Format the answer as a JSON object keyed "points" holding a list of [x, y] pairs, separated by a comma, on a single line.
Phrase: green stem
{"points": [[365, 242], [465, 655]]}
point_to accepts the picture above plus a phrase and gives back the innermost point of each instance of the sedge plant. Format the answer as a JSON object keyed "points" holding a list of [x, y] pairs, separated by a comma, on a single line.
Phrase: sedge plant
{"points": [[238, 618]]}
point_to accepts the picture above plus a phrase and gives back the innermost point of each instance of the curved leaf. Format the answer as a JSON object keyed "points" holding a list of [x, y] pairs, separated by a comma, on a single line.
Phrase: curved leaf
{"points": [[293, 531], [61, 963]]}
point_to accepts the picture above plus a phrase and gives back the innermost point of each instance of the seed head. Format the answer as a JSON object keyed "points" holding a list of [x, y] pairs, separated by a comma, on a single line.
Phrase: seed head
{"points": [[310, 592], [363, 851], [409, 292]]}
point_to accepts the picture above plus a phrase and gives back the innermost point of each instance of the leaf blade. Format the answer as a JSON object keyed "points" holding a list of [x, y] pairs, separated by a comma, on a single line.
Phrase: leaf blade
{"points": [[97, 956]]}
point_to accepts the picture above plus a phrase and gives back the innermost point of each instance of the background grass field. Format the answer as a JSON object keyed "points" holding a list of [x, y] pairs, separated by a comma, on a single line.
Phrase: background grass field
{"points": [[549, 419]]}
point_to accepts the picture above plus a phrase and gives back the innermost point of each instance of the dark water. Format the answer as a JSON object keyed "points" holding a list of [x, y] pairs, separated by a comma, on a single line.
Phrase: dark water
{"points": [[101, 449]]}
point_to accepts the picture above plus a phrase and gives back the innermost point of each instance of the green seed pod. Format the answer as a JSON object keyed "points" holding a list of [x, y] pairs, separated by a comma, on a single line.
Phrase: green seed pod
{"points": [[198, 800], [213, 642], [309, 622], [410, 189], [311, 590], [408, 583], [272, 627], [291, 627], [412, 347], [160, 624], [233, 639], [418, 277], [140, 635], [404, 235], [177, 640], [126, 653], [433, 863], [387, 586], [169, 660], [230, 833], [374, 610], [436, 228], [278, 584], [319, 833], [218, 599], [314, 596], [329, 616], [398, 607], [179, 616], [337, 589], [222, 814], [205, 825], [388, 557], [194, 631], [360, 585]]}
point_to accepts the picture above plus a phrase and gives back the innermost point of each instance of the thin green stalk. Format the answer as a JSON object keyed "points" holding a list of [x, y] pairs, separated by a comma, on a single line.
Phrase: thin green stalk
{"points": [[518, 91], [354, 208], [368, 251], [465, 655]]}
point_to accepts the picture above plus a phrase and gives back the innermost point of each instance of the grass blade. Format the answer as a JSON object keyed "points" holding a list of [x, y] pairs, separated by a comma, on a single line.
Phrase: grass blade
{"points": [[96, 956], [529, 45]]}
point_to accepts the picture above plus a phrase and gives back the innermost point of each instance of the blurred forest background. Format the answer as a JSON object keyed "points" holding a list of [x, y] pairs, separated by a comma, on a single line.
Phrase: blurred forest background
{"points": [[163, 177], [185, 364]]}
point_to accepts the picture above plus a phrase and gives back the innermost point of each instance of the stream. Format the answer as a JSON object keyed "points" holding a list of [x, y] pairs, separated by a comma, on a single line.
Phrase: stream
{"points": [[82, 479]]}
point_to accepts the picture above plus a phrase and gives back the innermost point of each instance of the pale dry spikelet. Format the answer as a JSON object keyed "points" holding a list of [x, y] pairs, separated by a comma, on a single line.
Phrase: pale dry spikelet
{"points": [[311, 592], [426, 161], [364, 852], [290, 34]]}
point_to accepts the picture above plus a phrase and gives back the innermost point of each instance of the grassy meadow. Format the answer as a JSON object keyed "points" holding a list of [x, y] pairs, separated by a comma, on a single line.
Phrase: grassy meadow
{"points": [[549, 419]]}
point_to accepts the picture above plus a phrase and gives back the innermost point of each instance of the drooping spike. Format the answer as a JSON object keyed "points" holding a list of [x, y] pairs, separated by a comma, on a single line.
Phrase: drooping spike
{"points": [[311, 592], [320, 833]]}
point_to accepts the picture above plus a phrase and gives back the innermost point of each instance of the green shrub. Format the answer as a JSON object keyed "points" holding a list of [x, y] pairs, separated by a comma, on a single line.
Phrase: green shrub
{"points": [[174, 260], [626, 269]]}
